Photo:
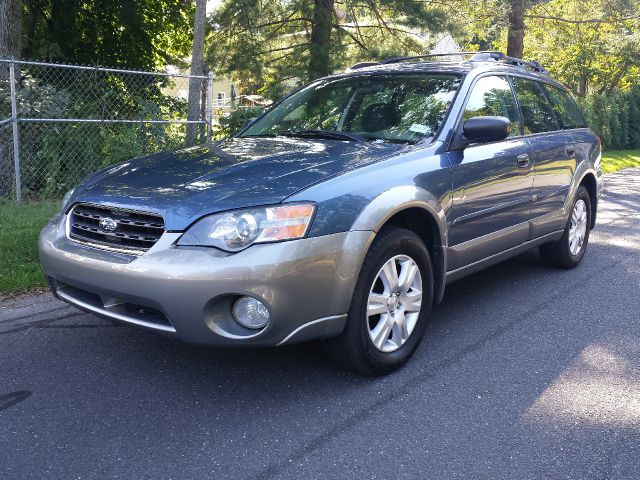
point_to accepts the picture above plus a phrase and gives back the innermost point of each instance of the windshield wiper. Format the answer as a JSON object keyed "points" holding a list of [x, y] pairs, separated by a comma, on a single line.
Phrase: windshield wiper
{"points": [[328, 134]]}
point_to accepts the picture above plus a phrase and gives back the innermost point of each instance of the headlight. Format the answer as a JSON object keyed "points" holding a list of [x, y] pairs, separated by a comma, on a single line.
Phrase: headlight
{"points": [[65, 200], [234, 231]]}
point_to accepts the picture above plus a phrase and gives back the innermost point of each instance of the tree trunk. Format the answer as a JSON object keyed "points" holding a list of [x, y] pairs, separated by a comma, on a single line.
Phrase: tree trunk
{"points": [[583, 84], [197, 68], [320, 39], [10, 44], [10, 28], [515, 34]]}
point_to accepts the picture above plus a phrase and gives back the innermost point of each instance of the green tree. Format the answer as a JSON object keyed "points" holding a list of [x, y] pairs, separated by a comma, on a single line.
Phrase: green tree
{"points": [[10, 37], [127, 33], [270, 46], [591, 45]]}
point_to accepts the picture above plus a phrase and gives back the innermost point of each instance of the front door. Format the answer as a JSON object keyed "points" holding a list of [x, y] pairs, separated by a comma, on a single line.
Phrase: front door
{"points": [[491, 182]]}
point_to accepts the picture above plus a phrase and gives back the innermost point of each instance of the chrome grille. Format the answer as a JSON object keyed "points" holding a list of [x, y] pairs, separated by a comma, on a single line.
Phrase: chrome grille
{"points": [[117, 229]]}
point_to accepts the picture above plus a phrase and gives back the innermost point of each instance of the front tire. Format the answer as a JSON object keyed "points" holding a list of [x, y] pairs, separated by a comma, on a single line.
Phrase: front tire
{"points": [[390, 306], [569, 250]]}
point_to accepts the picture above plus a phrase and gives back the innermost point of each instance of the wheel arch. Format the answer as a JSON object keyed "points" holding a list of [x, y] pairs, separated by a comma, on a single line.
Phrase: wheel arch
{"points": [[590, 183], [419, 211]]}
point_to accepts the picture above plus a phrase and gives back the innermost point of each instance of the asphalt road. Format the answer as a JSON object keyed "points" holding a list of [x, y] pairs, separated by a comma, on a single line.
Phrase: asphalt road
{"points": [[525, 372]]}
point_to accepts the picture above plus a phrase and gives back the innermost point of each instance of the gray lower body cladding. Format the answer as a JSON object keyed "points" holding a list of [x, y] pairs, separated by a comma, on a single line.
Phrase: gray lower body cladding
{"points": [[186, 292]]}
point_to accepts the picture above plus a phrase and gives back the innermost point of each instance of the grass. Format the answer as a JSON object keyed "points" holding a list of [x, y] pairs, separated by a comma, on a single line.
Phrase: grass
{"points": [[19, 229], [21, 224], [615, 160]]}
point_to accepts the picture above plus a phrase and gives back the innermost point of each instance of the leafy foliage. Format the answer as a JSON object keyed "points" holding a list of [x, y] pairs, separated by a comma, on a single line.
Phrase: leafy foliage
{"points": [[55, 156], [267, 47], [615, 118], [128, 33], [590, 45], [596, 48], [234, 122]]}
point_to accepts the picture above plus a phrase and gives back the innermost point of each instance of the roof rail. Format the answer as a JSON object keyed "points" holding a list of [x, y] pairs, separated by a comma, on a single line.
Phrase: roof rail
{"points": [[483, 56], [358, 65], [405, 59], [428, 55], [501, 57]]}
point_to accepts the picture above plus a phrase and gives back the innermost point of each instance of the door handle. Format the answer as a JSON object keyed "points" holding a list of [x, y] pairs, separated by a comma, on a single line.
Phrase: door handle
{"points": [[571, 150], [523, 160]]}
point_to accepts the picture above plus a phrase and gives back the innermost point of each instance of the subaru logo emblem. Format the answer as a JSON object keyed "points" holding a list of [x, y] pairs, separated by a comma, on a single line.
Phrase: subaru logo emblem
{"points": [[108, 224]]}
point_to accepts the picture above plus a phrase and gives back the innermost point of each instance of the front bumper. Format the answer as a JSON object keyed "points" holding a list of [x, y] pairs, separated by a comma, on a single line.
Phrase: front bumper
{"points": [[188, 292]]}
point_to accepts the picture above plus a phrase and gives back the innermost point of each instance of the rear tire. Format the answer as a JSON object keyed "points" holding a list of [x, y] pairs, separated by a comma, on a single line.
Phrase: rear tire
{"points": [[569, 250], [389, 311]]}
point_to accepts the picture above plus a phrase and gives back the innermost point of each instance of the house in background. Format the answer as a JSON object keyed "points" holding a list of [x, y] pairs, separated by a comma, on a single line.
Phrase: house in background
{"points": [[224, 94], [446, 44], [226, 97]]}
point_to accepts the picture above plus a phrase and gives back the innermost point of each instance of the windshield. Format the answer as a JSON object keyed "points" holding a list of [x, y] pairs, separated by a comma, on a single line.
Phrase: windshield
{"points": [[395, 108]]}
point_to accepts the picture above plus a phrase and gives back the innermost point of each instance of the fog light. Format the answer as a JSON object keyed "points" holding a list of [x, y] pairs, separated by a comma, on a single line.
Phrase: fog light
{"points": [[251, 313]]}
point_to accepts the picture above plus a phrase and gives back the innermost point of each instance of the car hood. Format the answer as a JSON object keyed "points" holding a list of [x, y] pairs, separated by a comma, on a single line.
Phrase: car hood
{"points": [[184, 185]]}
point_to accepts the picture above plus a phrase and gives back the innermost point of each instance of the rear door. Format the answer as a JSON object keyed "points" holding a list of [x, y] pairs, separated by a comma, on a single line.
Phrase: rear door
{"points": [[554, 154], [491, 181]]}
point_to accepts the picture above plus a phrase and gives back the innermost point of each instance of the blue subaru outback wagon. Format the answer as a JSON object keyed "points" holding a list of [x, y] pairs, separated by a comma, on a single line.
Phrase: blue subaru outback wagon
{"points": [[340, 214]]}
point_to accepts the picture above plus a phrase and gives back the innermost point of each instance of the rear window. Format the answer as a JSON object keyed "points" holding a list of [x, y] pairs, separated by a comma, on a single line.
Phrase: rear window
{"points": [[565, 107], [537, 114]]}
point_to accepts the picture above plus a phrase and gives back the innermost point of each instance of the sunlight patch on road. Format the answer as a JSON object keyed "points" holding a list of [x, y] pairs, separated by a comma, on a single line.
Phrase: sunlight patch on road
{"points": [[627, 243], [601, 387]]}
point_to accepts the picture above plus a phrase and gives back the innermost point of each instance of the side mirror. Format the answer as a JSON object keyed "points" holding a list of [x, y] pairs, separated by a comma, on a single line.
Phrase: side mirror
{"points": [[486, 129]]}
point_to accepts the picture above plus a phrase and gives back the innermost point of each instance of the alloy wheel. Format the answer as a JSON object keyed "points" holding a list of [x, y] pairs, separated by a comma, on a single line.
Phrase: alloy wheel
{"points": [[578, 227], [394, 303]]}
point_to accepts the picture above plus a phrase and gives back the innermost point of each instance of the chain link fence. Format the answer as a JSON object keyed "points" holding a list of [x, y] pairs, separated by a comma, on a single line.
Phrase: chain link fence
{"points": [[58, 123]]}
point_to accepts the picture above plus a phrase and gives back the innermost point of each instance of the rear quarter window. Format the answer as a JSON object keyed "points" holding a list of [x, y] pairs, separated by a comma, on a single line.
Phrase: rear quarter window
{"points": [[565, 107], [537, 114]]}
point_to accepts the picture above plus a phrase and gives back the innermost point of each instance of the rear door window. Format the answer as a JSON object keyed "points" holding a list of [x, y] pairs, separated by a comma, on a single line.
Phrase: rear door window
{"points": [[537, 114], [565, 107], [492, 96]]}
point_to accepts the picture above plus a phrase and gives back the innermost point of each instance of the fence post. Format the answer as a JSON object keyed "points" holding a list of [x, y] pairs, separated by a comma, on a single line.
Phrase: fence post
{"points": [[209, 111], [14, 124]]}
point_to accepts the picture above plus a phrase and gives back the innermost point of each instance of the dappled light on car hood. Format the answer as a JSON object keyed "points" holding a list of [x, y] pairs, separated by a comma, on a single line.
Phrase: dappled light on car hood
{"points": [[234, 173]]}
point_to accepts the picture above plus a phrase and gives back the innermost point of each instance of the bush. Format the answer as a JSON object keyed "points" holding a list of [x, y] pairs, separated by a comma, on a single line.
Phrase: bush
{"points": [[55, 156], [232, 123], [615, 118]]}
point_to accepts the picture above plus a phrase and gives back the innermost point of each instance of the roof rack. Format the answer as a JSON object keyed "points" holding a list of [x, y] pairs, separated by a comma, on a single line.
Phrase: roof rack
{"points": [[428, 55], [501, 57], [483, 56]]}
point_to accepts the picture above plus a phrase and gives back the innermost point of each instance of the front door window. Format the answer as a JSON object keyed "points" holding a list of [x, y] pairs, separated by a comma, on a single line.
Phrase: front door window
{"points": [[492, 96]]}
